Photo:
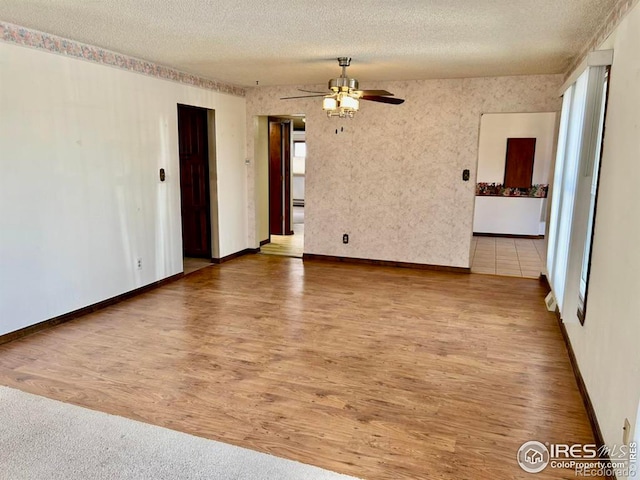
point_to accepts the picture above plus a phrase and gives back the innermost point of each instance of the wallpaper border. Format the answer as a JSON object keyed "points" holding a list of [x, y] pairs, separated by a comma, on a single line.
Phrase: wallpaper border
{"points": [[538, 190], [27, 37], [613, 19]]}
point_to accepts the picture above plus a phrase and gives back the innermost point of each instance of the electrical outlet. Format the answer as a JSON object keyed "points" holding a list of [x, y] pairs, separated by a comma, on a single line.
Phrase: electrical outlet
{"points": [[345, 238], [139, 263], [626, 432]]}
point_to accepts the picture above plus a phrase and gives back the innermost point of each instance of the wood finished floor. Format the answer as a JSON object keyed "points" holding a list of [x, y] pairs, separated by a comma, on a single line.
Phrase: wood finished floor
{"points": [[190, 264], [380, 373]]}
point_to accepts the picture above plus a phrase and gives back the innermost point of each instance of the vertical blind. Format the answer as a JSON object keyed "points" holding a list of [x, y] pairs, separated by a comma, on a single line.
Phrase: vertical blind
{"points": [[577, 157]]}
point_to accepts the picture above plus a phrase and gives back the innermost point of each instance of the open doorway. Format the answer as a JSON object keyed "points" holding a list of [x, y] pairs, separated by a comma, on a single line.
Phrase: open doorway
{"points": [[195, 151], [281, 158], [515, 157]]}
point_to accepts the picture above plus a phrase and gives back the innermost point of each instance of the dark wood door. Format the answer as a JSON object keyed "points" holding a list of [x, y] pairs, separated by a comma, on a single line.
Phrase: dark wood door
{"points": [[194, 181], [279, 177], [518, 170]]}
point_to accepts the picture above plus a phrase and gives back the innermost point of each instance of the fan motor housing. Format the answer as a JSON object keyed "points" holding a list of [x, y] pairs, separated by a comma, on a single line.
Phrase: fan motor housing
{"points": [[341, 82]]}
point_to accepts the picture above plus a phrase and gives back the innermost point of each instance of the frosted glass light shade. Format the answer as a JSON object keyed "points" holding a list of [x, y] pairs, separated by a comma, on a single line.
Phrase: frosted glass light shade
{"points": [[349, 103], [329, 103]]}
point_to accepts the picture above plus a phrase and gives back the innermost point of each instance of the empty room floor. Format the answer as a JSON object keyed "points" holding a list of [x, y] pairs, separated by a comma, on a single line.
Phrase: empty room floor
{"points": [[514, 257], [190, 264], [416, 375]]}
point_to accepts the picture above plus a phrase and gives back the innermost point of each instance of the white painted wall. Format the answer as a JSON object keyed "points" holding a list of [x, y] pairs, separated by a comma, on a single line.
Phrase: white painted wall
{"points": [[496, 128], [261, 159], [298, 187], [213, 184], [515, 216], [80, 198], [607, 346]]}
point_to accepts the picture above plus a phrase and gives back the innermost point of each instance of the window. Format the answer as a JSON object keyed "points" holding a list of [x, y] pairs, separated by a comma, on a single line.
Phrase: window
{"points": [[299, 157], [564, 186], [299, 149], [594, 173], [554, 224], [574, 191]]}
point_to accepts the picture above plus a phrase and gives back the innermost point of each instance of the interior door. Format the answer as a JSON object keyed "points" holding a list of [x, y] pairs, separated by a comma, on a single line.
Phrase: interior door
{"points": [[194, 181], [518, 170], [279, 177]]}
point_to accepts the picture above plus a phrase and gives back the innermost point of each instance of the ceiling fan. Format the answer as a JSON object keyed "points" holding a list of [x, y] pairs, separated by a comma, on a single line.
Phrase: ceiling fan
{"points": [[344, 99]]}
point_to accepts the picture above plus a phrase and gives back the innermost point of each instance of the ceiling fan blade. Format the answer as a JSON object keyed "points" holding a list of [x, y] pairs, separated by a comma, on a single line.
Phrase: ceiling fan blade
{"points": [[304, 96], [378, 98], [378, 93], [312, 91]]}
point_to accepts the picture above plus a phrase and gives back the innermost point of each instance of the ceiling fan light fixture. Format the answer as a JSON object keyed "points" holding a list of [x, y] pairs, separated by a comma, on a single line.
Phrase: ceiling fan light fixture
{"points": [[329, 103], [349, 102], [341, 105]]}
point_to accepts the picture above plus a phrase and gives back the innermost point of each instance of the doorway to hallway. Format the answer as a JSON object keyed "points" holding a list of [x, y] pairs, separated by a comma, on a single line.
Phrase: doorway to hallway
{"points": [[283, 141], [288, 245]]}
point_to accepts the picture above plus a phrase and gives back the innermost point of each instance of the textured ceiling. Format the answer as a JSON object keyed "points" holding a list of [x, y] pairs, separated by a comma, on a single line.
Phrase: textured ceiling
{"points": [[282, 42]]}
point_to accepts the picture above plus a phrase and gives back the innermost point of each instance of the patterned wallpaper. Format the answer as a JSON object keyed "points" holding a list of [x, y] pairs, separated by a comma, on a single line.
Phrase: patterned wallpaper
{"points": [[392, 179], [63, 46]]}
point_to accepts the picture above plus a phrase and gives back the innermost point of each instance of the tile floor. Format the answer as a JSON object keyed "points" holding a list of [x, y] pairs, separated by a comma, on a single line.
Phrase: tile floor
{"points": [[514, 257]]}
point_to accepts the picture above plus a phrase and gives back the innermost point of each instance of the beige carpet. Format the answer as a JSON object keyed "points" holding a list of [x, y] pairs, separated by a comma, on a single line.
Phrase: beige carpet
{"points": [[45, 439]]}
